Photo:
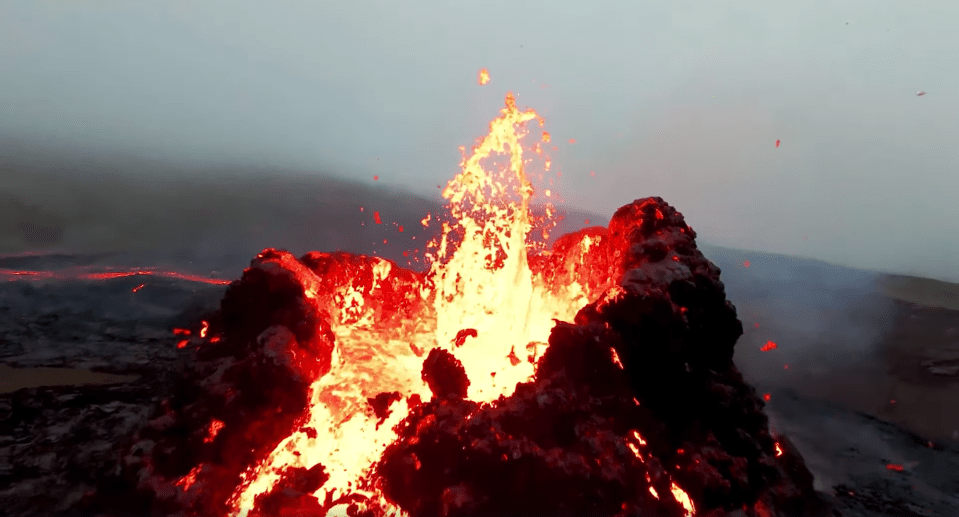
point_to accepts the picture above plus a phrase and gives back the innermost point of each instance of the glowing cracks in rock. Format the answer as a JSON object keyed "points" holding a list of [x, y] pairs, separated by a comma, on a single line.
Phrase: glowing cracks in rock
{"points": [[214, 429], [616, 358]]}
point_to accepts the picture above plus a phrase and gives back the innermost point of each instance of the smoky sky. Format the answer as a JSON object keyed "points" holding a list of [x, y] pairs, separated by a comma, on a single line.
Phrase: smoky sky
{"points": [[679, 99]]}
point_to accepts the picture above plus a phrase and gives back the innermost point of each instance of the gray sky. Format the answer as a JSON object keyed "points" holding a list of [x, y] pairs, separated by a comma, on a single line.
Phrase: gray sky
{"points": [[682, 99]]}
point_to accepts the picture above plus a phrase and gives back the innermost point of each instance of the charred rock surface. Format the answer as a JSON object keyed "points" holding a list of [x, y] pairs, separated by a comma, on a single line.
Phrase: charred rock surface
{"points": [[653, 356], [244, 392], [58, 443], [445, 375]]}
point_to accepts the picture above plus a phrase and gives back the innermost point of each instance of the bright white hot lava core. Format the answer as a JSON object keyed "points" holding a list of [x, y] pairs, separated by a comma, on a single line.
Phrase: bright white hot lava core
{"points": [[483, 304]]}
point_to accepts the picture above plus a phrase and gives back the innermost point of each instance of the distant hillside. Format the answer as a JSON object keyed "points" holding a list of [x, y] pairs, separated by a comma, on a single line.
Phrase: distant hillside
{"points": [[215, 218]]}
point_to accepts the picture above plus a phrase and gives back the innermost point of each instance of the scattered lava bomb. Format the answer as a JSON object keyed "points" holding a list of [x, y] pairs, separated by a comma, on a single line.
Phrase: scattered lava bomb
{"points": [[591, 378]]}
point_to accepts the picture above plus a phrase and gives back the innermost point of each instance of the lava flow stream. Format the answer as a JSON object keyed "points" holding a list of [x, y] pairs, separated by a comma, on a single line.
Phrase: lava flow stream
{"points": [[86, 273]]}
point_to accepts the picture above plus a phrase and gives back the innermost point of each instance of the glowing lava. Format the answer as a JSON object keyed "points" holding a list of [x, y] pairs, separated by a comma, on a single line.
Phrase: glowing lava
{"points": [[479, 279], [83, 273]]}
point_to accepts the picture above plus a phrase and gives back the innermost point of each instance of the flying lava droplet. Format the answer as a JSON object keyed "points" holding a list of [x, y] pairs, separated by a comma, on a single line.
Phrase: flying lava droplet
{"points": [[376, 218], [483, 77], [746, 264], [777, 142]]}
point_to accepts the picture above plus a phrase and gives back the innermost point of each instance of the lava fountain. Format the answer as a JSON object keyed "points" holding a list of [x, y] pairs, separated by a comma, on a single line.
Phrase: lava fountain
{"points": [[481, 300], [594, 377]]}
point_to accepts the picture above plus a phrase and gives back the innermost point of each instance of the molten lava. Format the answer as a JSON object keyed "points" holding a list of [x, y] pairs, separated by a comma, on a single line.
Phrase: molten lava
{"points": [[480, 281], [594, 377], [85, 273]]}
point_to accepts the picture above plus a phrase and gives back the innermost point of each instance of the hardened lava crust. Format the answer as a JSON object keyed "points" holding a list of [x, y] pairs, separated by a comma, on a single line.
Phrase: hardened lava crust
{"points": [[635, 409], [652, 356]]}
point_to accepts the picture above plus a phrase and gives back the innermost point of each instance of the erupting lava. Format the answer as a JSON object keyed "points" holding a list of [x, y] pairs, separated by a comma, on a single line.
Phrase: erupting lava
{"points": [[479, 281], [594, 377]]}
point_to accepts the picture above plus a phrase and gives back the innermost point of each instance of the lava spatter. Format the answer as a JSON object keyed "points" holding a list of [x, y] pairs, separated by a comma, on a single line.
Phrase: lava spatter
{"points": [[594, 377]]}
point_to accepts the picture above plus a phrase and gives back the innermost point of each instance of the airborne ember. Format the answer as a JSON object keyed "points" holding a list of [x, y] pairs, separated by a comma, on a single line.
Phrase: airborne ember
{"points": [[592, 378]]}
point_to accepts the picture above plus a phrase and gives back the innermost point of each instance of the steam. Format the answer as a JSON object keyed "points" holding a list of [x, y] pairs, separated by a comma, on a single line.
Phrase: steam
{"points": [[822, 318]]}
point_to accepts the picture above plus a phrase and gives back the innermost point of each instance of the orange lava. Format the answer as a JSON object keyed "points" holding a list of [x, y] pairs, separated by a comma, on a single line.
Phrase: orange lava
{"points": [[85, 274], [480, 300], [187, 481], [215, 427]]}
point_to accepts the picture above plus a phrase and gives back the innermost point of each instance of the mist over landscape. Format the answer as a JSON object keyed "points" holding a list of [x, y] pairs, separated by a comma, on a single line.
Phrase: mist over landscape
{"points": [[154, 350], [682, 100]]}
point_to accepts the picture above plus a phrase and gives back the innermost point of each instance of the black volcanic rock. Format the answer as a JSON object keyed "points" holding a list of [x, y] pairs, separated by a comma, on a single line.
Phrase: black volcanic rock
{"points": [[652, 356], [244, 393], [634, 398], [445, 375]]}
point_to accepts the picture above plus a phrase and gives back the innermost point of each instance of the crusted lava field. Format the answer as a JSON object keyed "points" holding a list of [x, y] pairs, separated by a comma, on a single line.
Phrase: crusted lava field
{"points": [[635, 408]]}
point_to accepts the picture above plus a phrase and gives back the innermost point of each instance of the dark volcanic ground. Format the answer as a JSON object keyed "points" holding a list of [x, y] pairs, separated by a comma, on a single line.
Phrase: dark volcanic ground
{"points": [[54, 439], [864, 373]]}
